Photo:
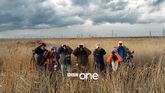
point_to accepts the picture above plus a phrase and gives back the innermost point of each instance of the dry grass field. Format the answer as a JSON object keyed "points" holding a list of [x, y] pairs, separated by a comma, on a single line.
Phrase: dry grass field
{"points": [[17, 75]]}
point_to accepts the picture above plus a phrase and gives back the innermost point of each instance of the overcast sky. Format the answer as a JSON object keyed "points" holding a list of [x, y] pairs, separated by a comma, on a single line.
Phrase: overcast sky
{"points": [[81, 18]]}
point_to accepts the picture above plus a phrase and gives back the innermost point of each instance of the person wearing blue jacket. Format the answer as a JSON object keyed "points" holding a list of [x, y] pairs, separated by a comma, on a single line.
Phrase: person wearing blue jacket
{"points": [[122, 50]]}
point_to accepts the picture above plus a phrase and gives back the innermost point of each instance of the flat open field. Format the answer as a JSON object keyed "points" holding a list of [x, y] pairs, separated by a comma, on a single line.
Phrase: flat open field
{"points": [[17, 75]]}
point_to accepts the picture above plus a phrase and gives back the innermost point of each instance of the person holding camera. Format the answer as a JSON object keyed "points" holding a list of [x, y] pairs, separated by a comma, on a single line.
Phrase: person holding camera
{"points": [[41, 51], [53, 61], [82, 53], [122, 50], [65, 58], [114, 59], [99, 58]]}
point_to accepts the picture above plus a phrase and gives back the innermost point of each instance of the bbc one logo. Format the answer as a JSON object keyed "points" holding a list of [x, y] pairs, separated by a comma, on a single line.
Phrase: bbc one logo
{"points": [[84, 76]]}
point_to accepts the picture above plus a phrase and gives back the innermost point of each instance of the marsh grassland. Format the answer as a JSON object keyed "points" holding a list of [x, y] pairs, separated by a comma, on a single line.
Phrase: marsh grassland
{"points": [[18, 75]]}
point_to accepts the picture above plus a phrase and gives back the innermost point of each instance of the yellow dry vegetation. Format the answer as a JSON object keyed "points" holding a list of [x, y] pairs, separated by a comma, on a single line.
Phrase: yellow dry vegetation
{"points": [[17, 75]]}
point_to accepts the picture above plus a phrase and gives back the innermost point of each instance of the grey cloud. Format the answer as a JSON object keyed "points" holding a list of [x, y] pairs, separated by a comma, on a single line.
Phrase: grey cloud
{"points": [[107, 12], [18, 13], [118, 6], [28, 14], [22, 14], [157, 2], [81, 2], [122, 18], [155, 5]]}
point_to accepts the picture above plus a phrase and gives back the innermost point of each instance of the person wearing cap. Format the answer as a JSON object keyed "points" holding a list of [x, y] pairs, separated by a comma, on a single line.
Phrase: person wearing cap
{"points": [[65, 58], [98, 58], [53, 61], [82, 53], [122, 50], [41, 52], [114, 59]]}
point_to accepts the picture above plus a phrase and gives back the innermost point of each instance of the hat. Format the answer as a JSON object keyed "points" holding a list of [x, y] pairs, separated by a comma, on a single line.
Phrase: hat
{"points": [[120, 42], [98, 45], [54, 48], [43, 44], [81, 44], [114, 50], [64, 44]]}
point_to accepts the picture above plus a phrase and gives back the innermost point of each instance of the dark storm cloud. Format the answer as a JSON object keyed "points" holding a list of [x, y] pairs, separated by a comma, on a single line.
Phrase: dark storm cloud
{"points": [[157, 2], [22, 14], [31, 14]]}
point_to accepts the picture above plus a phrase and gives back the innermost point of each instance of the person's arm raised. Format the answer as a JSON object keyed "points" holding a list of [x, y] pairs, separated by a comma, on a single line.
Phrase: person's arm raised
{"points": [[75, 52], [87, 51]]}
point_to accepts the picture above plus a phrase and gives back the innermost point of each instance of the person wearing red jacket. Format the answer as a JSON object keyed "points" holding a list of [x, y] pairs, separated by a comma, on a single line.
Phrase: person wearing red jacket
{"points": [[114, 60]]}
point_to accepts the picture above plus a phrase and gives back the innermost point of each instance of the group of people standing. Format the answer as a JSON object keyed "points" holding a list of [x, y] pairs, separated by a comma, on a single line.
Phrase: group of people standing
{"points": [[60, 58]]}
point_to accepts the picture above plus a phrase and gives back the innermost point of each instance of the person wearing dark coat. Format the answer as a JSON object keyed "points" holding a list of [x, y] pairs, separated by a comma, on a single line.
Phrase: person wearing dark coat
{"points": [[65, 58], [99, 58], [82, 54], [41, 52]]}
